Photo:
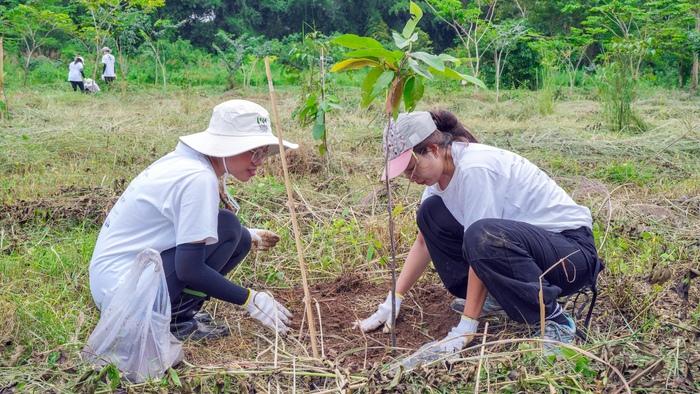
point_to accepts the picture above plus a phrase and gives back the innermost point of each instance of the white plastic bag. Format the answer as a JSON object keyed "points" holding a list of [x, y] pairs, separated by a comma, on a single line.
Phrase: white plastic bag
{"points": [[134, 330]]}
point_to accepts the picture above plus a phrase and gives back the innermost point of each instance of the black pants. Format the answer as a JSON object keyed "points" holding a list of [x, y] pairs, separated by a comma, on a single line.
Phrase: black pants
{"points": [[223, 256], [509, 257], [76, 85], [109, 80]]}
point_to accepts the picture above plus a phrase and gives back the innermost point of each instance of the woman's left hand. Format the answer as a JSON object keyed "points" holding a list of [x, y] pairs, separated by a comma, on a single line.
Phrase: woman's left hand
{"points": [[263, 239]]}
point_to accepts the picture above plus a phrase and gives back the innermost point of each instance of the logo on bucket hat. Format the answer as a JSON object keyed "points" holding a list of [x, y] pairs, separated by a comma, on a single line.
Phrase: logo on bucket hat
{"points": [[262, 124]]}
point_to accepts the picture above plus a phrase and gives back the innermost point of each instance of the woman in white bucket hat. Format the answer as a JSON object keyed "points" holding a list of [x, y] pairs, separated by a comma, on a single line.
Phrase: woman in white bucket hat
{"points": [[91, 86], [173, 207]]}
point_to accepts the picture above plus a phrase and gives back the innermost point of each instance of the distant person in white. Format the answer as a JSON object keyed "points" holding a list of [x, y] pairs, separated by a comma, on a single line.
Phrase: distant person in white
{"points": [[91, 86], [75, 74], [108, 74]]}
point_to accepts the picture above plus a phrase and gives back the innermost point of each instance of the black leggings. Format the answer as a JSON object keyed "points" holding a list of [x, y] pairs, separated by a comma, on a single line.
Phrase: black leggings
{"points": [[76, 85], [509, 257]]}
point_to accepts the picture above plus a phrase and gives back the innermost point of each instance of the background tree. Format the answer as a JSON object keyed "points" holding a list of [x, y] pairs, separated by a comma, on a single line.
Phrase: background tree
{"points": [[103, 18], [242, 54], [154, 36], [505, 36], [35, 25], [471, 23]]}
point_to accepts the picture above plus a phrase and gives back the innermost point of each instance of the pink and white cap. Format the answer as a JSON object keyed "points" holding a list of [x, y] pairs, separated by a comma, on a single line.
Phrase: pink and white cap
{"points": [[409, 130]]}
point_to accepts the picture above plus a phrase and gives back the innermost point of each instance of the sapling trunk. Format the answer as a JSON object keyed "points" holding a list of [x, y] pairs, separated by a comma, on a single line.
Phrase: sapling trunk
{"points": [[392, 243]]}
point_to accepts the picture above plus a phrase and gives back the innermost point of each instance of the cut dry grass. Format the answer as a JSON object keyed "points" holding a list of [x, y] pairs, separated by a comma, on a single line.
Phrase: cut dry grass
{"points": [[66, 157]]}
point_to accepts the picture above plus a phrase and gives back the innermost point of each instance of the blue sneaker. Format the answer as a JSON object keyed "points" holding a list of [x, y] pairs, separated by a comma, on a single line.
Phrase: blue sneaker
{"points": [[554, 331], [491, 306]]}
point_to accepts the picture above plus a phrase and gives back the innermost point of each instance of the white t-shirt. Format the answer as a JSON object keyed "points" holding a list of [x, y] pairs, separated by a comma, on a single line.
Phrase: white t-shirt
{"points": [[74, 72], [173, 201], [494, 183], [108, 59]]}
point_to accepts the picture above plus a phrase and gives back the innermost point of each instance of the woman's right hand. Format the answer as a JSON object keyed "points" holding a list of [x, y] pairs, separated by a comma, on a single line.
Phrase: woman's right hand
{"points": [[381, 316], [268, 311]]}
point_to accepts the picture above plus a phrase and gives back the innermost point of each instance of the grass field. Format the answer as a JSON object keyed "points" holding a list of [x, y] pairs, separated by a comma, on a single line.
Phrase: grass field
{"points": [[65, 157]]}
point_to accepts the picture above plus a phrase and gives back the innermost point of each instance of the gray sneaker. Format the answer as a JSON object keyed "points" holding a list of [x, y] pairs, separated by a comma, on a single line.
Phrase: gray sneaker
{"points": [[491, 306], [558, 332]]}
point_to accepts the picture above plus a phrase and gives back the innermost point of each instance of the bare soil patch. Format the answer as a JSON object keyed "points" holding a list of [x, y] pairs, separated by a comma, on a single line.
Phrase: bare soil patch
{"points": [[352, 297]]}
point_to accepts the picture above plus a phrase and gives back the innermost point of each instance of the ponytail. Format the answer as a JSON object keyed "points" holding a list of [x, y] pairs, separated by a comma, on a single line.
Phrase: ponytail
{"points": [[447, 122], [449, 129]]}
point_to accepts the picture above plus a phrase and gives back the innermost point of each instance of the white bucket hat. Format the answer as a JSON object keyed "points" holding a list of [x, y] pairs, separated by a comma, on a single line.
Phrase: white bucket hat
{"points": [[236, 126], [88, 82], [106, 49], [409, 130]]}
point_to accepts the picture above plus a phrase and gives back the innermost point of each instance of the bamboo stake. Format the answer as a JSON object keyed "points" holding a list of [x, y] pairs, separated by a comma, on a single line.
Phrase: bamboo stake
{"points": [[481, 358], [290, 204]]}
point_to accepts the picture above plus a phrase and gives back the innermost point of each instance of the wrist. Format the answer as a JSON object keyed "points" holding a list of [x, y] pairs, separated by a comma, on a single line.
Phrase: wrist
{"points": [[467, 324], [397, 299], [247, 300]]}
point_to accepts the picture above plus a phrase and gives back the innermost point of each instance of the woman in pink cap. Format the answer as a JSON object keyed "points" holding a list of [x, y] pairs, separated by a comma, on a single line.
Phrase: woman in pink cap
{"points": [[173, 207], [492, 223]]}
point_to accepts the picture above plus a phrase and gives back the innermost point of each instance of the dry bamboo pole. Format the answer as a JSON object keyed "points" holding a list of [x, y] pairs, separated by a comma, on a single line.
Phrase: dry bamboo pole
{"points": [[290, 204], [481, 358]]}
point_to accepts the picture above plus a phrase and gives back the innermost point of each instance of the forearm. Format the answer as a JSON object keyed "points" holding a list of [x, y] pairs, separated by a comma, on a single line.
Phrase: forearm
{"points": [[416, 262], [476, 295], [192, 270]]}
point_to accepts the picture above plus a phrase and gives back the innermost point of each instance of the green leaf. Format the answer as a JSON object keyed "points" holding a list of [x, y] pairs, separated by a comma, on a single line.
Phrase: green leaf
{"points": [[353, 64], [412, 92], [370, 252], [397, 378], [397, 210], [383, 82], [416, 15], [368, 84], [318, 131], [450, 73], [374, 52], [402, 42], [322, 149], [447, 58], [429, 59], [420, 69], [353, 41], [174, 377]]}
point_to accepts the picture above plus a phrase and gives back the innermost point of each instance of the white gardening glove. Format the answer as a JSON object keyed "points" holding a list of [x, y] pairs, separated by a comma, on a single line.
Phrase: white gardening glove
{"points": [[269, 312], [381, 316], [263, 239], [459, 336]]}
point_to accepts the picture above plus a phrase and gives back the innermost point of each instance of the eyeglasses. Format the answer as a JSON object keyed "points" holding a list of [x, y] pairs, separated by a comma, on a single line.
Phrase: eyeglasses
{"points": [[259, 154], [412, 171]]}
